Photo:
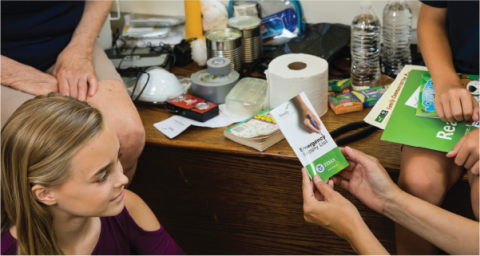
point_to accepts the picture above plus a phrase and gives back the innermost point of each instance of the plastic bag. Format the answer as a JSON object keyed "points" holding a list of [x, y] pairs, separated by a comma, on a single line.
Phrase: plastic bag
{"points": [[324, 40], [281, 20]]}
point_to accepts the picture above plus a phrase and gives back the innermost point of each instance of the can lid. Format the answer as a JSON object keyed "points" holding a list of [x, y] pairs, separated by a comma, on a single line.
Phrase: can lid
{"points": [[244, 22], [218, 66], [223, 35], [366, 4]]}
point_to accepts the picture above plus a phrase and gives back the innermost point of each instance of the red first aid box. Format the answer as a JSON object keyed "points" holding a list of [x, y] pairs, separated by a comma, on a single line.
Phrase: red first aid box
{"points": [[193, 107]]}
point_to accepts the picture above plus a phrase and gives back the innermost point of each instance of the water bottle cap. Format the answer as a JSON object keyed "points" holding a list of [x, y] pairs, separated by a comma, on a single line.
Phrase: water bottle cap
{"points": [[366, 4]]}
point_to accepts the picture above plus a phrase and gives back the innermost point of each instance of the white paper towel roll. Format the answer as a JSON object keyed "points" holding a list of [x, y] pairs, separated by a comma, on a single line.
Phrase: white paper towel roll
{"points": [[291, 74]]}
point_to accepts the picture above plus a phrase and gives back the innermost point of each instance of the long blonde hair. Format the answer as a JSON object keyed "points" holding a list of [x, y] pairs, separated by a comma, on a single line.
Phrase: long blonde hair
{"points": [[38, 143]]}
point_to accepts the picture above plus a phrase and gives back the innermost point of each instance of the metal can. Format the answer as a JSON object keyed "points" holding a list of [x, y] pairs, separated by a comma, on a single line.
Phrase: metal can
{"points": [[251, 36], [226, 43]]}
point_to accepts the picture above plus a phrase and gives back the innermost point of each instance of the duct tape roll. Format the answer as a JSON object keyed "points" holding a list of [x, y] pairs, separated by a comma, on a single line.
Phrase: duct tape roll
{"points": [[218, 66], [211, 87], [291, 74]]}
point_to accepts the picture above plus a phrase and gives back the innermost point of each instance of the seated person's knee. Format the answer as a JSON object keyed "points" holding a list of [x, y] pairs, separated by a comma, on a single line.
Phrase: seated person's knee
{"points": [[425, 189]]}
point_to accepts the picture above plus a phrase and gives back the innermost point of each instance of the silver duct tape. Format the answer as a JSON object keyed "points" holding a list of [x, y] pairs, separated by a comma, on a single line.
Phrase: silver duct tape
{"points": [[235, 56], [219, 66], [213, 89]]}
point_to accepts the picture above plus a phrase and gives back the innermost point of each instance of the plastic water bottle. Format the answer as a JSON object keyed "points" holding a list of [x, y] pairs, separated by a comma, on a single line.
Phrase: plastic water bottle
{"points": [[365, 48], [397, 27]]}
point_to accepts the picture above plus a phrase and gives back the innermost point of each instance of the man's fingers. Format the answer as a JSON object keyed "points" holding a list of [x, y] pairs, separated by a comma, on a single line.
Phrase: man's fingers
{"points": [[307, 186], [63, 87], [82, 89], [457, 147], [73, 84], [92, 85], [467, 106], [323, 187]]}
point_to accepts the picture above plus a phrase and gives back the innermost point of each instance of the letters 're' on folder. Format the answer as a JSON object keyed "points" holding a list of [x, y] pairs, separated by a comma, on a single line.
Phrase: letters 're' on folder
{"points": [[318, 153]]}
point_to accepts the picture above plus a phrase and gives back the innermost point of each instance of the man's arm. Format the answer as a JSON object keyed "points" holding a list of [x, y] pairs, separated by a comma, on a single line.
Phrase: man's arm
{"points": [[452, 102], [88, 29], [74, 68], [450, 232]]}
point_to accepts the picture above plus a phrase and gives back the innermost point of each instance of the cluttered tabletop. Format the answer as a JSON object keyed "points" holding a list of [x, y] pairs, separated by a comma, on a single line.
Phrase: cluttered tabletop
{"points": [[213, 139]]}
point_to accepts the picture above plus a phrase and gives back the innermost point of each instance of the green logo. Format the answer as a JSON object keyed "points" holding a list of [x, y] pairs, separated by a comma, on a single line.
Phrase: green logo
{"points": [[287, 106], [381, 116]]}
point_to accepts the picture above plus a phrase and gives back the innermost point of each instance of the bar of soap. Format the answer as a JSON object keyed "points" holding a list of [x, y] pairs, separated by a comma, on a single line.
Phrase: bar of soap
{"points": [[344, 102]]}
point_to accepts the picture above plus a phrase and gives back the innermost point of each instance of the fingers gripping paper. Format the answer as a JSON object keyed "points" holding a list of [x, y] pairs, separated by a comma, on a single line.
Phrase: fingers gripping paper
{"points": [[291, 74], [317, 151]]}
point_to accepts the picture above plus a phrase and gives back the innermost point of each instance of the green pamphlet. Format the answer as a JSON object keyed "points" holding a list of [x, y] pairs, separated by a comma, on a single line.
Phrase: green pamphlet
{"points": [[317, 152]]}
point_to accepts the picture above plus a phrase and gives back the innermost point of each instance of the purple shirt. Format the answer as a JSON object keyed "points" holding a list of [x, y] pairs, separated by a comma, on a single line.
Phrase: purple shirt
{"points": [[119, 235]]}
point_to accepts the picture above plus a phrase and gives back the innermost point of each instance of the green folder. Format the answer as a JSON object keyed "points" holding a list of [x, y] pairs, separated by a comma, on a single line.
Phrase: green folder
{"points": [[405, 127]]}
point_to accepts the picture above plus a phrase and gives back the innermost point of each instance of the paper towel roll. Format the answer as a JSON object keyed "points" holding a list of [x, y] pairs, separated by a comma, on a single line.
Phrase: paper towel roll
{"points": [[291, 74]]}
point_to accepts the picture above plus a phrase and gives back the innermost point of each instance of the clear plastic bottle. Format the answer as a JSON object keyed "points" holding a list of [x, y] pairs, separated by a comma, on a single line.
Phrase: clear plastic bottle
{"points": [[397, 28], [365, 48]]}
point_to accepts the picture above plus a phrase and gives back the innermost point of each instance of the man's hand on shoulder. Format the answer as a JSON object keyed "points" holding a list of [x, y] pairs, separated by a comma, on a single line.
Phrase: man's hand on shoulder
{"points": [[32, 81], [75, 75], [26, 78]]}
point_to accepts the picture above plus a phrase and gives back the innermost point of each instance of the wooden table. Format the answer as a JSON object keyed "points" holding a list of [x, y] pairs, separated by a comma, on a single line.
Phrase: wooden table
{"points": [[215, 196]]}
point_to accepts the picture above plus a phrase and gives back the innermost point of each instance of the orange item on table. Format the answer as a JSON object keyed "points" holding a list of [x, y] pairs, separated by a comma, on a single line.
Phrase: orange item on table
{"points": [[193, 19], [344, 102]]}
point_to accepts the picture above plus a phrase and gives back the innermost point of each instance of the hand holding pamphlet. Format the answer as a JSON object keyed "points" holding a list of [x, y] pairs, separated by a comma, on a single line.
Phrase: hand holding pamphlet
{"points": [[308, 137]]}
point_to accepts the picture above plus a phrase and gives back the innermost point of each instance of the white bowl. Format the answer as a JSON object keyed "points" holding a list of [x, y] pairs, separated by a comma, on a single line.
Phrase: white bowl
{"points": [[162, 86]]}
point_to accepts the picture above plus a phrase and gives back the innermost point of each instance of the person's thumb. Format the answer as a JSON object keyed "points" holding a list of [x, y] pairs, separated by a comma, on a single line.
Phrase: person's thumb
{"points": [[326, 190], [358, 157], [456, 148]]}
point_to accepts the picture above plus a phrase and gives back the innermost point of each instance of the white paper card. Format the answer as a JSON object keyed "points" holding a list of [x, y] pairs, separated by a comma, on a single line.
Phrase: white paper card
{"points": [[173, 126], [413, 100]]}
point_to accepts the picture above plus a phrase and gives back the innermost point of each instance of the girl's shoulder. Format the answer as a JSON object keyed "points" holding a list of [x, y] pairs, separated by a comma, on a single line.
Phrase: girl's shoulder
{"points": [[140, 212]]}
